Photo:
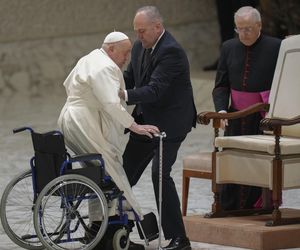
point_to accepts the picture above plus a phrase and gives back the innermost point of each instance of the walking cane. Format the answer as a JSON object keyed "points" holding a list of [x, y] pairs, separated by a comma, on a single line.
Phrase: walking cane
{"points": [[161, 136]]}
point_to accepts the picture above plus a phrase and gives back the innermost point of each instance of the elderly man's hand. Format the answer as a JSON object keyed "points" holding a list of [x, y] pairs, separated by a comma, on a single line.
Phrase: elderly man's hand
{"points": [[122, 94], [148, 130]]}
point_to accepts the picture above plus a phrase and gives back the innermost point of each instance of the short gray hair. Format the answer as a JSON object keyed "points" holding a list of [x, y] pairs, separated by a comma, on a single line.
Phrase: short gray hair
{"points": [[248, 10], [151, 12]]}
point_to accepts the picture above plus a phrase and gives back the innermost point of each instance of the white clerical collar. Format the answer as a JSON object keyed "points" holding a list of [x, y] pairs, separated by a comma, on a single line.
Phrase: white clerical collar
{"points": [[103, 51], [153, 47]]}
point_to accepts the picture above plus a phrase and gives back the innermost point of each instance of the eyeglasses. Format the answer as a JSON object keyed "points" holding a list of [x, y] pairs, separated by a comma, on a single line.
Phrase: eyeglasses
{"points": [[244, 30]]}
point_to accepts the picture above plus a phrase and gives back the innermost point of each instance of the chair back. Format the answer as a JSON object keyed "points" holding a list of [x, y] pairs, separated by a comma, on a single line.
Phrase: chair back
{"points": [[49, 154], [285, 92]]}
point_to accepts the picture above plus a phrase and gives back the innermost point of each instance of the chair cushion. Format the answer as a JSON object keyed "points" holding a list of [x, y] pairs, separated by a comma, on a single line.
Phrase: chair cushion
{"points": [[262, 143], [200, 161], [255, 169]]}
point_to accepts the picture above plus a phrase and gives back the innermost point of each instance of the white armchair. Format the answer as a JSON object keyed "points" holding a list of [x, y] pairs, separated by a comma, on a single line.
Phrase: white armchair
{"points": [[271, 160]]}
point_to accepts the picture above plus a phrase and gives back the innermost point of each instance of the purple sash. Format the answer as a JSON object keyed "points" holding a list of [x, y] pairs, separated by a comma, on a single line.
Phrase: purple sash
{"points": [[241, 99]]}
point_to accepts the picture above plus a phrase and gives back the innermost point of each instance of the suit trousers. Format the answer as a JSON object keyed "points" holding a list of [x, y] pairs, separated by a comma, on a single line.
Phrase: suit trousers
{"points": [[140, 150]]}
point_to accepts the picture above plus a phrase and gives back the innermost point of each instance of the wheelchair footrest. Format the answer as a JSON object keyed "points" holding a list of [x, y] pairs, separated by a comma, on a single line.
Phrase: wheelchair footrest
{"points": [[149, 227]]}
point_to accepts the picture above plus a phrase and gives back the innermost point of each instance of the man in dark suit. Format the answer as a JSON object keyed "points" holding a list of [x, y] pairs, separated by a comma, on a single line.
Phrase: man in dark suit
{"points": [[158, 82]]}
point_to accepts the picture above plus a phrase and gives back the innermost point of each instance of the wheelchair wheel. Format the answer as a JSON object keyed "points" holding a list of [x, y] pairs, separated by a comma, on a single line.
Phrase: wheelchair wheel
{"points": [[17, 211], [121, 239], [73, 194]]}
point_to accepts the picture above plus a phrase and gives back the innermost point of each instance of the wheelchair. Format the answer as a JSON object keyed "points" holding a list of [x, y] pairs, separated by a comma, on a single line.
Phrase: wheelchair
{"points": [[50, 205]]}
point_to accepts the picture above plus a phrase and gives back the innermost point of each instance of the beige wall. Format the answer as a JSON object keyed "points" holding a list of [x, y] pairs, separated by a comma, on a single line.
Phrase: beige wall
{"points": [[40, 40], [36, 19]]}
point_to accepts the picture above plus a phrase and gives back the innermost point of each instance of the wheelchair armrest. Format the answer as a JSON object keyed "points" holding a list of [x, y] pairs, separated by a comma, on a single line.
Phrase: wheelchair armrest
{"points": [[86, 157]]}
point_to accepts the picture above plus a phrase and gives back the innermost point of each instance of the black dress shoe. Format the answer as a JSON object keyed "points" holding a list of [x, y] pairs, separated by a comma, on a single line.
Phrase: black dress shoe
{"points": [[135, 246], [179, 243]]}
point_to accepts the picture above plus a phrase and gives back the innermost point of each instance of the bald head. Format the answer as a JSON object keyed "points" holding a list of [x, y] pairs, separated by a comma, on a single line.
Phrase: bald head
{"points": [[148, 25], [151, 13]]}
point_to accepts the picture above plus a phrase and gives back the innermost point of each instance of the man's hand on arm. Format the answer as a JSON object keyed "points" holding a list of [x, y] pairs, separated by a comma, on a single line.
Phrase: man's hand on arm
{"points": [[123, 94]]}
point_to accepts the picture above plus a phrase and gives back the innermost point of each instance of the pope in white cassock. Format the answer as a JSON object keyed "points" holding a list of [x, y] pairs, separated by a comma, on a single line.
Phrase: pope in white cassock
{"points": [[93, 118]]}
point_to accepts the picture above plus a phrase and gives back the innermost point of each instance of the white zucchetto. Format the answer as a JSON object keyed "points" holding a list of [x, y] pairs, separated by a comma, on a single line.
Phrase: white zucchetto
{"points": [[114, 37]]}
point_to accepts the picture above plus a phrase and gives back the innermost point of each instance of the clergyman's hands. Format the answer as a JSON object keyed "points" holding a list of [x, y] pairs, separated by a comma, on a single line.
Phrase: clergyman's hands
{"points": [[224, 122], [147, 130], [121, 94]]}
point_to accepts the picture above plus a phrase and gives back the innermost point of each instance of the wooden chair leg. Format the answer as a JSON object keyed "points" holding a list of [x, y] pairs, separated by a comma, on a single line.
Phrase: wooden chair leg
{"points": [[185, 193]]}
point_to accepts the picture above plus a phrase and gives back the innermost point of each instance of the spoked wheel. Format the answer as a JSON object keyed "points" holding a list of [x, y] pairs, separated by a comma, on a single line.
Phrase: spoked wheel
{"points": [[17, 212], [121, 239], [75, 194]]}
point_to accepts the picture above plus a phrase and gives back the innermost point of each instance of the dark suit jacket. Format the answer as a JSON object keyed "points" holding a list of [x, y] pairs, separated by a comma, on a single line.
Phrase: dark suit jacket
{"points": [[164, 89]]}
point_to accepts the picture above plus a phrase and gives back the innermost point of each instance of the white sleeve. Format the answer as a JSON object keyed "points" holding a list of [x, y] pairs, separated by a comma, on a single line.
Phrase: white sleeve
{"points": [[106, 84]]}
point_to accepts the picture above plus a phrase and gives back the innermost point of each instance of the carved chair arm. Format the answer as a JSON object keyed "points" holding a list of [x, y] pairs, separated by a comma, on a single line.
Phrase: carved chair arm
{"points": [[205, 117], [272, 124]]}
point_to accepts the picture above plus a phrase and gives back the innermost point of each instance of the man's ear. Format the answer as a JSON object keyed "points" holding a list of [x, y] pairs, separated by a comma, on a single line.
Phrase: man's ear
{"points": [[259, 25], [111, 48], [158, 26]]}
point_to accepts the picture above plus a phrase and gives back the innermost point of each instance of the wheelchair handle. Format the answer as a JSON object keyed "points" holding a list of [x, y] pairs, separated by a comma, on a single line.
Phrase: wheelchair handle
{"points": [[17, 130]]}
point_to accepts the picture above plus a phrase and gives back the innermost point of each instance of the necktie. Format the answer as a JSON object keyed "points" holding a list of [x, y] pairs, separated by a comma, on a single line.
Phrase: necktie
{"points": [[146, 58], [145, 62]]}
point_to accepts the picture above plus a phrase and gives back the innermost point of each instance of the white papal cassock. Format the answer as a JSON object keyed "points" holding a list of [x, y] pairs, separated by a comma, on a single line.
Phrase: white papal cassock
{"points": [[93, 118]]}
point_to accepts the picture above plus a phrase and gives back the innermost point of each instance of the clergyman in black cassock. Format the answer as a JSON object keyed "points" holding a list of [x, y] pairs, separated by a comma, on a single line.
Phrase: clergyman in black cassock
{"points": [[244, 77]]}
